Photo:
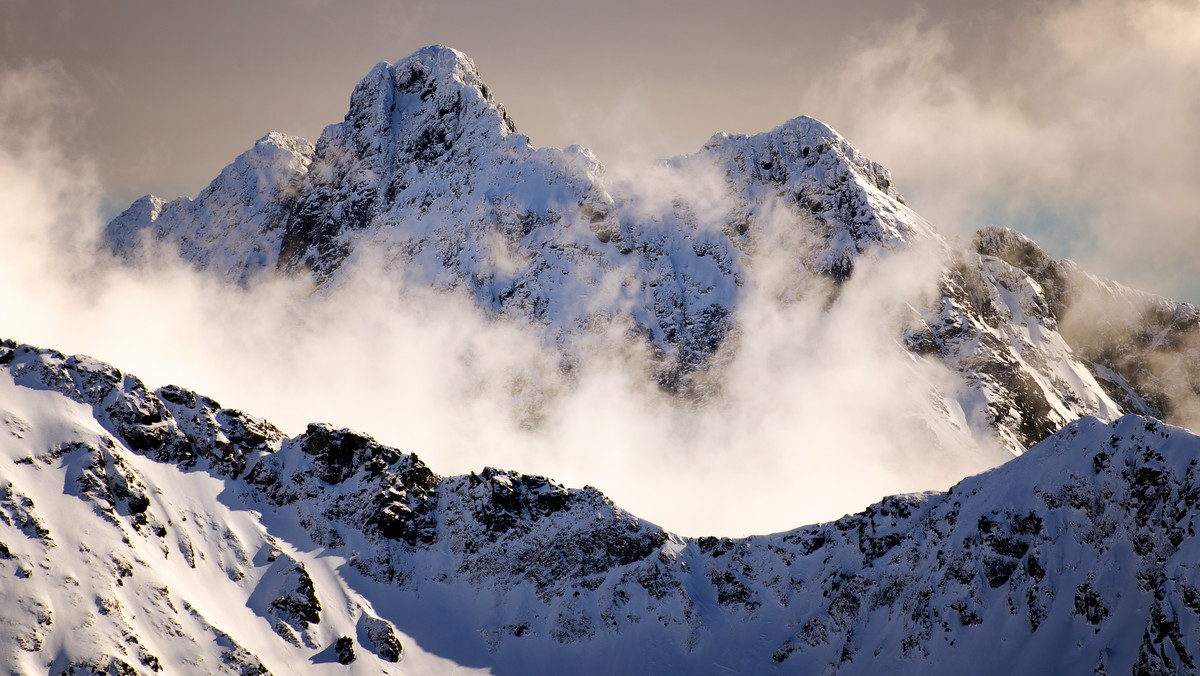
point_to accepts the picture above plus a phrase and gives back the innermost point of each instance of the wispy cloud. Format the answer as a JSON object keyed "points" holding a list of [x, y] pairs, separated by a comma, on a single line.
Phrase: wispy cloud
{"points": [[1088, 118], [1076, 123]]}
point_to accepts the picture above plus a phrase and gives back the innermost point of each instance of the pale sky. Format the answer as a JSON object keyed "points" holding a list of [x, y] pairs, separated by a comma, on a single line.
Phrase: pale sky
{"points": [[177, 89], [1076, 122]]}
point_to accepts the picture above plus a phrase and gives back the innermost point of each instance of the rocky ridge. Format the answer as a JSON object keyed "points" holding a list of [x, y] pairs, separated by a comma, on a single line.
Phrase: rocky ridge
{"points": [[1076, 557]]}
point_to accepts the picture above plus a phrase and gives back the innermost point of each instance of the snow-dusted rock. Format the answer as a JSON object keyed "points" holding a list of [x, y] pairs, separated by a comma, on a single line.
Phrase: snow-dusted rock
{"points": [[1077, 557], [380, 638], [232, 227]]}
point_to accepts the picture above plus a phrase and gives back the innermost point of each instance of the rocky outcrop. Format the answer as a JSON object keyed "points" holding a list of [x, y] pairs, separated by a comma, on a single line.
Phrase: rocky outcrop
{"points": [[380, 638], [1143, 350]]}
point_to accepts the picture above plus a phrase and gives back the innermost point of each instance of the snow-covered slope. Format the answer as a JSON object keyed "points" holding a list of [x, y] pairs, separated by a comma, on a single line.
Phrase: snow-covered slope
{"points": [[145, 531], [428, 178], [117, 563]]}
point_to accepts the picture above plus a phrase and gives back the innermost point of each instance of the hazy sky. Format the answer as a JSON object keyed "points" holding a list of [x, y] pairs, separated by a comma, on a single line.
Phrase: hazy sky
{"points": [[1077, 122], [178, 89]]}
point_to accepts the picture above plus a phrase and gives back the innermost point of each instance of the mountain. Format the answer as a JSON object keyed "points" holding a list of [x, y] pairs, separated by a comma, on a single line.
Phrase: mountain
{"points": [[428, 180], [157, 531], [147, 529]]}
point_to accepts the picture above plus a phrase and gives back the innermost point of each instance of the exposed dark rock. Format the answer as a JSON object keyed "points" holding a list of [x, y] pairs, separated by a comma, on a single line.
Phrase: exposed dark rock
{"points": [[224, 437], [381, 637], [292, 595]]}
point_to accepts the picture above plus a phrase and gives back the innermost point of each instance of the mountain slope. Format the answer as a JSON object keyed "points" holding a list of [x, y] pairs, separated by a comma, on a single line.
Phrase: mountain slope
{"points": [[115, 563], [157, 530], [1143, 349]]}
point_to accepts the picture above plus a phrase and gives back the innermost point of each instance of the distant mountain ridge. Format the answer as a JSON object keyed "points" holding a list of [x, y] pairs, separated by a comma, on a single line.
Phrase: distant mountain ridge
{"points": [[428, 175]]}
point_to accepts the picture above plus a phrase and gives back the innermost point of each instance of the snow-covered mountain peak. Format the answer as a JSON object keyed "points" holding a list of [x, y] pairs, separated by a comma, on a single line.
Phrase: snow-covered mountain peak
{"points": [[265, 171], [799, 144], [1011, 246], [275, 152], [426, 179], [123, 233], [421, 105], [830, 187], [249, 196], [439, 61]]}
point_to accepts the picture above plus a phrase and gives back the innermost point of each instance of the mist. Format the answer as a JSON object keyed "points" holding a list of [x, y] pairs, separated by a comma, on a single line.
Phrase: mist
{"points": [[819, 411], [1074, 122]]}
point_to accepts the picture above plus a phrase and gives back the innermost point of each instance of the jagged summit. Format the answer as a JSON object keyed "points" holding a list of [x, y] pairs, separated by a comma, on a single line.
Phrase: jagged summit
{"points": [[801, 141], [441, 60], [852, 200], [420, 104], [801, 137], [414, 129], [222, 229]]}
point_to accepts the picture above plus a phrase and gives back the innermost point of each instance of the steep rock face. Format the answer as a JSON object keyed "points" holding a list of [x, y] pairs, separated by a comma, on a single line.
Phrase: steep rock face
{"points": [[1144, 350], [993, 325], [1077, 557]]}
